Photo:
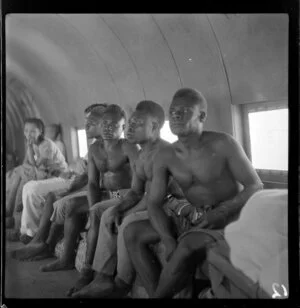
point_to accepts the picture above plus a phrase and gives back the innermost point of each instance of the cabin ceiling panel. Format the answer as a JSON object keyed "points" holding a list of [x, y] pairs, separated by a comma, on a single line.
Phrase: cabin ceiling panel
{"points": [[114, 53], [67, 59], [198, 59], [146, 45], [255, 51], [70, 61]]}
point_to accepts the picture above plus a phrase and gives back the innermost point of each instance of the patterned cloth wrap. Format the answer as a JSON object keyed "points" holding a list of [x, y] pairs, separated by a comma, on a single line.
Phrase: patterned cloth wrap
{"points": [[81, 248]]}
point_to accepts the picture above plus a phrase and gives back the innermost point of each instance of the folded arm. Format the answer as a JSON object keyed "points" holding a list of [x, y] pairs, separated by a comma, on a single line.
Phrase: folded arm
{"points": [[244, 173], [158, 191]]}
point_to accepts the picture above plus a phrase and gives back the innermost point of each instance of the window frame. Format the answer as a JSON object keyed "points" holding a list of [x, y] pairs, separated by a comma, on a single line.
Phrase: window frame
{"points": [[279, 176]]}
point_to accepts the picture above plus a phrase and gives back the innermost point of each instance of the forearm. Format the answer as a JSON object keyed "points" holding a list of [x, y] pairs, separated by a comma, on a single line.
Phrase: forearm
{"points": [[229, 208], [129, 201], [94, 194], [160, 221], [79, 183], [30, 156]]}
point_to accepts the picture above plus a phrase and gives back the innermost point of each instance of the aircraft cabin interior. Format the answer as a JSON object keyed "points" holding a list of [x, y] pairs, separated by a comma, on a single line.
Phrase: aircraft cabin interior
{"points": [[225, 77]]}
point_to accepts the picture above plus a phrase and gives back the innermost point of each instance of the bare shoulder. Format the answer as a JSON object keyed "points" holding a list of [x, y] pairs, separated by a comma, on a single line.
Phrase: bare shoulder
{"points": [[164, 152], [95, 147], [130, 149], [220, 140]]}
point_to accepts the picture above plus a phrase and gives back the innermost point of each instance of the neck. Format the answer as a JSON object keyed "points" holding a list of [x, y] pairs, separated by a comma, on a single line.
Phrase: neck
{"points": [[149, 144], [110, 143], [191, 140]]}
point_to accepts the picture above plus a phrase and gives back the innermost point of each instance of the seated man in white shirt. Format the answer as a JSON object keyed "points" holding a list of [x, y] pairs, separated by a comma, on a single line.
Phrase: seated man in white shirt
{"points": [[38, 193]]}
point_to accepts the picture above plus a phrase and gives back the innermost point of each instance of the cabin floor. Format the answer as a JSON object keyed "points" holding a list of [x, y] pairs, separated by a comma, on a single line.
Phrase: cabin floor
{"points": [[24, 280]]}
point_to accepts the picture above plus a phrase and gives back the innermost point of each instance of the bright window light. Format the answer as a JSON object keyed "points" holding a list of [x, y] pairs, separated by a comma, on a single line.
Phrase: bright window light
{"points": [[166, 134], [269, 139], [82, 142]]}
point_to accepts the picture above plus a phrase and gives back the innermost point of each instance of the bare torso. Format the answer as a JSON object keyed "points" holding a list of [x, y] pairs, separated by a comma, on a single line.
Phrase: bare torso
{"points": [[113, 165], [144, 163], [202, 173]]}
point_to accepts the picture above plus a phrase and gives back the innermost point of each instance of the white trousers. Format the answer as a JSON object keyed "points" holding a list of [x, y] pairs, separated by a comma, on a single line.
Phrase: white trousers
{"points": [[33, 198]]}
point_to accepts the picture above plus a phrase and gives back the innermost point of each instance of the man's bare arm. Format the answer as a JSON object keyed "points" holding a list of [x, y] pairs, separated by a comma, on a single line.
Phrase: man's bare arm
{"points": [[158, 192], [94, 193], [134, 195], [79, 182], [244, 173], [136, 192]]}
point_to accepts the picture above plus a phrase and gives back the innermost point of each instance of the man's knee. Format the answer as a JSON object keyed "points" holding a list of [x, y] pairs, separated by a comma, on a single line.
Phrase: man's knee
{"points": [[194, 243], [30, 187], [131, 234]]}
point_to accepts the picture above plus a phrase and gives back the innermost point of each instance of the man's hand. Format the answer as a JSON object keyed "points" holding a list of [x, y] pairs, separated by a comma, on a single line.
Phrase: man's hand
{"points": [[118, 218], [214, 219], [113, 220], [170, 246], [30, 141], [66, 175]]}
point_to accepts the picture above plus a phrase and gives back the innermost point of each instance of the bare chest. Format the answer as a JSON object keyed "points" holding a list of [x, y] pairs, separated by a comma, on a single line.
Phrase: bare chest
{"points": [[110, 160], [198, 169], [144, 166]]}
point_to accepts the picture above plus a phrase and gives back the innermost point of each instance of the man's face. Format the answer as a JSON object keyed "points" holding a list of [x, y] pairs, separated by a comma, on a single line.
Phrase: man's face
{"points": [[92, 127], [184, 117], [140, 128], [112, 126]]}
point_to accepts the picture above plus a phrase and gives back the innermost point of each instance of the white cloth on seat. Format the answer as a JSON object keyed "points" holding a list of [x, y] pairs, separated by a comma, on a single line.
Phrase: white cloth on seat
{"points": [[259, 237]]}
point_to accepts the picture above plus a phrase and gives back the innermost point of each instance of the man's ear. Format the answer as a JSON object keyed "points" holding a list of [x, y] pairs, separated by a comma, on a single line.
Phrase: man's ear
{"points": [[155, 126], [202, 116]]}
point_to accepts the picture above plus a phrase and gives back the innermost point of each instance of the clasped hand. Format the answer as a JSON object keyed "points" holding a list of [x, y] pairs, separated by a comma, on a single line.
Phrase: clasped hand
{"points": [[114, 219]]}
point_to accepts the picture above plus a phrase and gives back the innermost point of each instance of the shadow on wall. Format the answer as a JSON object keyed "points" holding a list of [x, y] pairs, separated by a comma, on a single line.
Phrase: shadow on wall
{"points": [[20, 104]]}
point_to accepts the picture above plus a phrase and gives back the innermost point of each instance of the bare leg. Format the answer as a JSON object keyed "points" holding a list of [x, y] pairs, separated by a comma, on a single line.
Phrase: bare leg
{"points": [[138, 236], [190, 252], [32, 249], [43, 250], [45, 222], [92, 237], [87, 273], [72, 228]]}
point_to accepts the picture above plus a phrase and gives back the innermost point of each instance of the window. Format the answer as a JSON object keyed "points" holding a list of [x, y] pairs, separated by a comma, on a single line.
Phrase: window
{"points": [[266, 136], [82, 142], [269, 139], [166, 133]]}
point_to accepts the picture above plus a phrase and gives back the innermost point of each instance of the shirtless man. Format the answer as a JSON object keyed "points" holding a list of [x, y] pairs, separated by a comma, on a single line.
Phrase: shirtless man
{"points": [[111, 254], [209, 167], [109, 167], [39, 193]]}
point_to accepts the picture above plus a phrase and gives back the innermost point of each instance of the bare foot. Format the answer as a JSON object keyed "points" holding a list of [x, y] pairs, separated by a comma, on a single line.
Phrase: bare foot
{"points": [[29, 251], [46, 254], [86, 276], [98, 288], [58, 265]]}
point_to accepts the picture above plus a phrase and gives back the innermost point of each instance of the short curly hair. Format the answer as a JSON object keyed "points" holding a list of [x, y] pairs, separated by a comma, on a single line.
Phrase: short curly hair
{"points": [[153, 109]]}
